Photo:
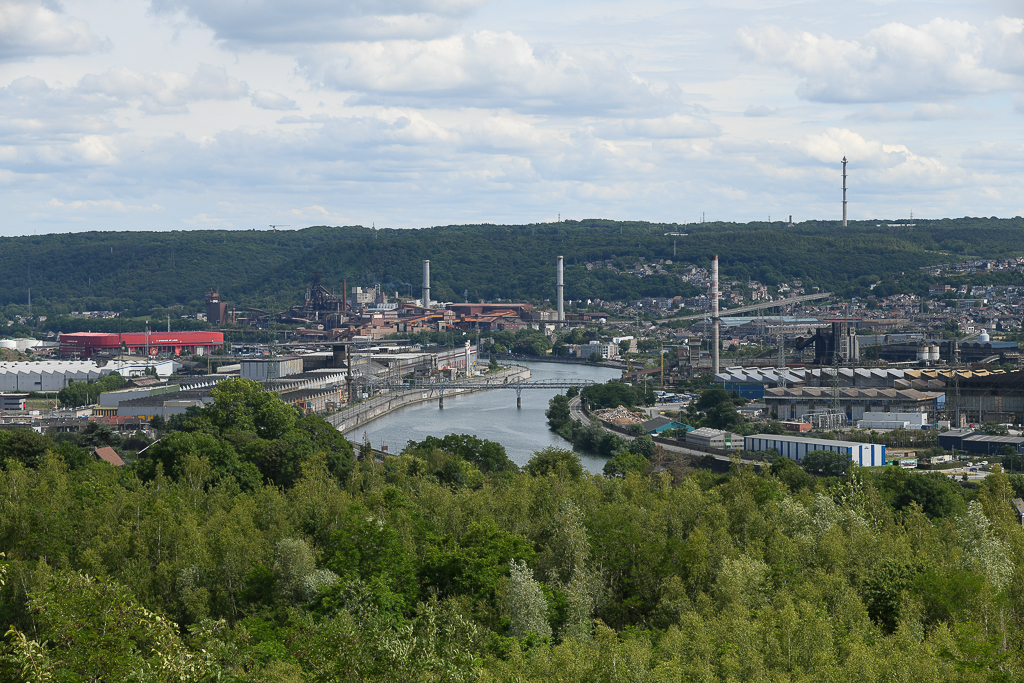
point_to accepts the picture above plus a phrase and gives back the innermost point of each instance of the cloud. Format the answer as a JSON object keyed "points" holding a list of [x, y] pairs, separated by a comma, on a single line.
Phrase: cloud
{"points": [[759, 111], [165, 92], [102, 204], [674, 126], [920, 112], [485, 68], [263, 22], [882, 161], [266, 99], [895, 62], [29, 28]]}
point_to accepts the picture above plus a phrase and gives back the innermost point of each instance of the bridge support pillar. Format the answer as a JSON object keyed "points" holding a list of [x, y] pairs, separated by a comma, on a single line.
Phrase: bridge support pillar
{"points": [[519, 401], [440, 402]]}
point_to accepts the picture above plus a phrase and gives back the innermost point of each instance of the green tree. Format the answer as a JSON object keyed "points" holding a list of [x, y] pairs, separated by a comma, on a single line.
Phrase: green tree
{"points": [[826, 463], [558, 411], [552, 460]]}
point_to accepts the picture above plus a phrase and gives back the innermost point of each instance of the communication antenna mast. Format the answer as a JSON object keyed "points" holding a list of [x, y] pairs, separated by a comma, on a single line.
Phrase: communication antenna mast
{"points": [[844, 191]]}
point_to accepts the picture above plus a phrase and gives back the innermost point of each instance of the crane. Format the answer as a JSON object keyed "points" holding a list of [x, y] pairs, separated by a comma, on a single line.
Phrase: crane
{"points": [[275, 227]]}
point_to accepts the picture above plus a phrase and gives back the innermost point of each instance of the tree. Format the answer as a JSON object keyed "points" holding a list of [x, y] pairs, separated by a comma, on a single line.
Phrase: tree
{"points": [[90, 627], [552, 460], [595, 357], [624, 462], [826, 463], [558, 411], [524, 603], [994, 429]]}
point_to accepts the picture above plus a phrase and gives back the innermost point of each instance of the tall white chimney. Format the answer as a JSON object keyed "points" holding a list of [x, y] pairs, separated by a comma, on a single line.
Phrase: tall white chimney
{"points": [[561, 290], [714, 312], [426, 283]]}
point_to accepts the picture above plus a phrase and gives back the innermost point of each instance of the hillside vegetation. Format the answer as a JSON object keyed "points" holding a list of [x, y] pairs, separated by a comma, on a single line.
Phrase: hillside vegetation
{"points": [[251, 546], [138, 271]]}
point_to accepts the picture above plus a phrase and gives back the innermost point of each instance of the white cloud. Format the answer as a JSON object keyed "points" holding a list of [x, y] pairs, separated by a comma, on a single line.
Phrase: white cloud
{"points": [[674, 126], [102, 205], [30, 28], [895, 62], [888, 162], [263, 22], [165, 92], [266, 99], [759, 111], [485, 68], [920, 112]]}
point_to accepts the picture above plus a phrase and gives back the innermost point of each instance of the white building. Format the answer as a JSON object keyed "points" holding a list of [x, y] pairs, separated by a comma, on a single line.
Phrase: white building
{"points": [[48, 375], [796, 447], [875, 420]]}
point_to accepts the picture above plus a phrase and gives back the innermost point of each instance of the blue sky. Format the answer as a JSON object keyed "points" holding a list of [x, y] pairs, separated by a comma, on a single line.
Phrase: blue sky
{"points": [[186, 114]]}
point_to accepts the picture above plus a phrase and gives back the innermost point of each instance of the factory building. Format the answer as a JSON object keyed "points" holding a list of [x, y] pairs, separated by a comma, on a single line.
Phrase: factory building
{"points": [[996, 397], [83, 345], [750, 383], [50, 375], [13, 402], [797, 447], [263, 369], [938, 351], [216, 310], [970, 441], [829, 342], [792, 403]]}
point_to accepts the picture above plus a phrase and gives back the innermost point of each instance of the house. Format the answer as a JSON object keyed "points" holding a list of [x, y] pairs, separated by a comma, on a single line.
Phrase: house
{"points": [[108, 454]]}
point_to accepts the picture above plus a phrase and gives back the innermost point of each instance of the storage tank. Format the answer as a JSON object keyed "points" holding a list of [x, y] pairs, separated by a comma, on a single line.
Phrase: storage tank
{"points": [[983, 337], [933, 353], [8, 344], [922, 352], [25, 344]]}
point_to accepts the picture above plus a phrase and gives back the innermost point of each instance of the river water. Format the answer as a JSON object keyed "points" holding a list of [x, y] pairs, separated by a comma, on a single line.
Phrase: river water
{"points": [[487, 415]]}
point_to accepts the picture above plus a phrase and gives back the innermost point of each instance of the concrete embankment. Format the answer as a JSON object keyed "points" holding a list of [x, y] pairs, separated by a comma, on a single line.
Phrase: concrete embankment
{"points": [[358, 415]]}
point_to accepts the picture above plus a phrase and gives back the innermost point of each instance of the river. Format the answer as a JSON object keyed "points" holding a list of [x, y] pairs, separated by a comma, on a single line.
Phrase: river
{"points": [[488, 415]]}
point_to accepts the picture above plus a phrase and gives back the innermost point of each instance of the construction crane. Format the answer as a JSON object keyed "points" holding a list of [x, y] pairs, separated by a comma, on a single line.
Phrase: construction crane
{"points": [[275, 227]]}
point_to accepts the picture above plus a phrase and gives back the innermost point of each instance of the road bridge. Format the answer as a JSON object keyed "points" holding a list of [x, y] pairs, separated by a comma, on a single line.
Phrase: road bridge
{"points": [[753, 307], [519, 385]]}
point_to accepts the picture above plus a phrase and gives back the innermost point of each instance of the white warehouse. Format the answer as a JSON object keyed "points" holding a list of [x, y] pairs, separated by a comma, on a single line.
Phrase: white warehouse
{"points": [[47, 375], [796, 447]]}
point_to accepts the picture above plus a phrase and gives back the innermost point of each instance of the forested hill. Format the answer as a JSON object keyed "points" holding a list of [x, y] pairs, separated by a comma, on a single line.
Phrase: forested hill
{"points": [[267, 269]]}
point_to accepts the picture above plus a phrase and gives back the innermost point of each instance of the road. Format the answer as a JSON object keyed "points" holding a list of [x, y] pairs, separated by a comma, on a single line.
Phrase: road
{"points": [[752, 307]]}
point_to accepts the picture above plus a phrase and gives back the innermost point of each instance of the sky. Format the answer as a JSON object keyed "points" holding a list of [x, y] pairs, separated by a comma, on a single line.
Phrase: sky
{"points": [[241, 114]]}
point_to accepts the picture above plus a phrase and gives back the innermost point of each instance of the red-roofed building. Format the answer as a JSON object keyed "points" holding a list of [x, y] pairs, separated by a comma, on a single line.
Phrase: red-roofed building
{"points": [[84, 344], [108, 454]]}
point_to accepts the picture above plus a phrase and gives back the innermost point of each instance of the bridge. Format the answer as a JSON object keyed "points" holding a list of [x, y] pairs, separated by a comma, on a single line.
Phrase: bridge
{"points": [[440, 388], [778, 303]]}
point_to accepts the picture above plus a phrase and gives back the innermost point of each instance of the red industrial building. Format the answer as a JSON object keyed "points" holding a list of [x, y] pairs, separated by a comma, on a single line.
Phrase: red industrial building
{"points": [[85, 344]]}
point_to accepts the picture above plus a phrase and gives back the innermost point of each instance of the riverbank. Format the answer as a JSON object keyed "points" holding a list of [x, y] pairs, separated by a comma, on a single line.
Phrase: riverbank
{"points": [[359, 415], [491, 415]]}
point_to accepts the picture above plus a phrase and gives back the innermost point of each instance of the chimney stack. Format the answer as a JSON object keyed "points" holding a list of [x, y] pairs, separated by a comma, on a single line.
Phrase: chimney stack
{"points": [[714, 312], [561, 290], [426, 283]]}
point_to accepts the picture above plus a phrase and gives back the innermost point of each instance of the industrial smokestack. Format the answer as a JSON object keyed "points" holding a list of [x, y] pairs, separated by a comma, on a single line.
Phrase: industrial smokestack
{"points": [[561, 290], [426, 283], [714, 312]]}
